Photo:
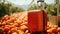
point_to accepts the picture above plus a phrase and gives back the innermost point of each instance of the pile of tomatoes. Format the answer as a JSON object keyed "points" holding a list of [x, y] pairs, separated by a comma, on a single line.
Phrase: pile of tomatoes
{"points": [[53, 29], [15, 23]]}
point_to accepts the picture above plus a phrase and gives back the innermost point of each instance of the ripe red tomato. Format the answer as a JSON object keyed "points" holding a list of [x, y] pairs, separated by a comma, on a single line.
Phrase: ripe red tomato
{"points": [[12, 29], [16, 24], [20, 32], [54, 30], [26, 32], [3, 24], [49, 31], [23, 27], [48, 27], [9, 32], [14, 33], [12, 26], [5, 29], [58, 29], [20, 22], [0, 24], [55, 26]]}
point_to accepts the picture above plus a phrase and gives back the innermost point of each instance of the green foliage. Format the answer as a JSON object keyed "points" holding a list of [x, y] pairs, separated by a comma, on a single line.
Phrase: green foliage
{"points": [[52, 9], [33, 7], [7, 8], [16, 9]]}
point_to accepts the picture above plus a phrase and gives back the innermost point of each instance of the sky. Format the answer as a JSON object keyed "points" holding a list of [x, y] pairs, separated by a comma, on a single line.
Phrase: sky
{"points": [[26, 2]]}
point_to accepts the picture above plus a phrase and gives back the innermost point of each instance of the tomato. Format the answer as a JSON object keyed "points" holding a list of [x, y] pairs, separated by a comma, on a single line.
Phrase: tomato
{"points": [[0, 24], [11, 23], [49, 31], [12, 26], [19, 22], [55, 26], [25, 23], [23, 27], [12, 29], [26, 32], [16, 24], [14, 33], [54, 30], [20, 32], [48, 27], [3, 24], [58, 29], [9, 32], [5, 29]]}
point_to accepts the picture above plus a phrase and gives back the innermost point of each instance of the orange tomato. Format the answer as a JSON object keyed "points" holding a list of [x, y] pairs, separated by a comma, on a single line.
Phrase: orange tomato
{"points": [[5, 29], [58, 29], [54, 30]]}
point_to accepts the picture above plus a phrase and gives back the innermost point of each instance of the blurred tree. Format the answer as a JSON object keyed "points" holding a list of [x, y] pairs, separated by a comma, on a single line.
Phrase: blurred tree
{"points": [[52, 9], [4, 9], [7, 8], [16, 9], [56, 1], [34, 6]]}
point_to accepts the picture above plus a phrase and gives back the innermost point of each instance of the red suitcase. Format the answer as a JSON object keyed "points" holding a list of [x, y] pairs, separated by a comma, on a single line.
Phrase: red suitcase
{"points": [[37, 21]]}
